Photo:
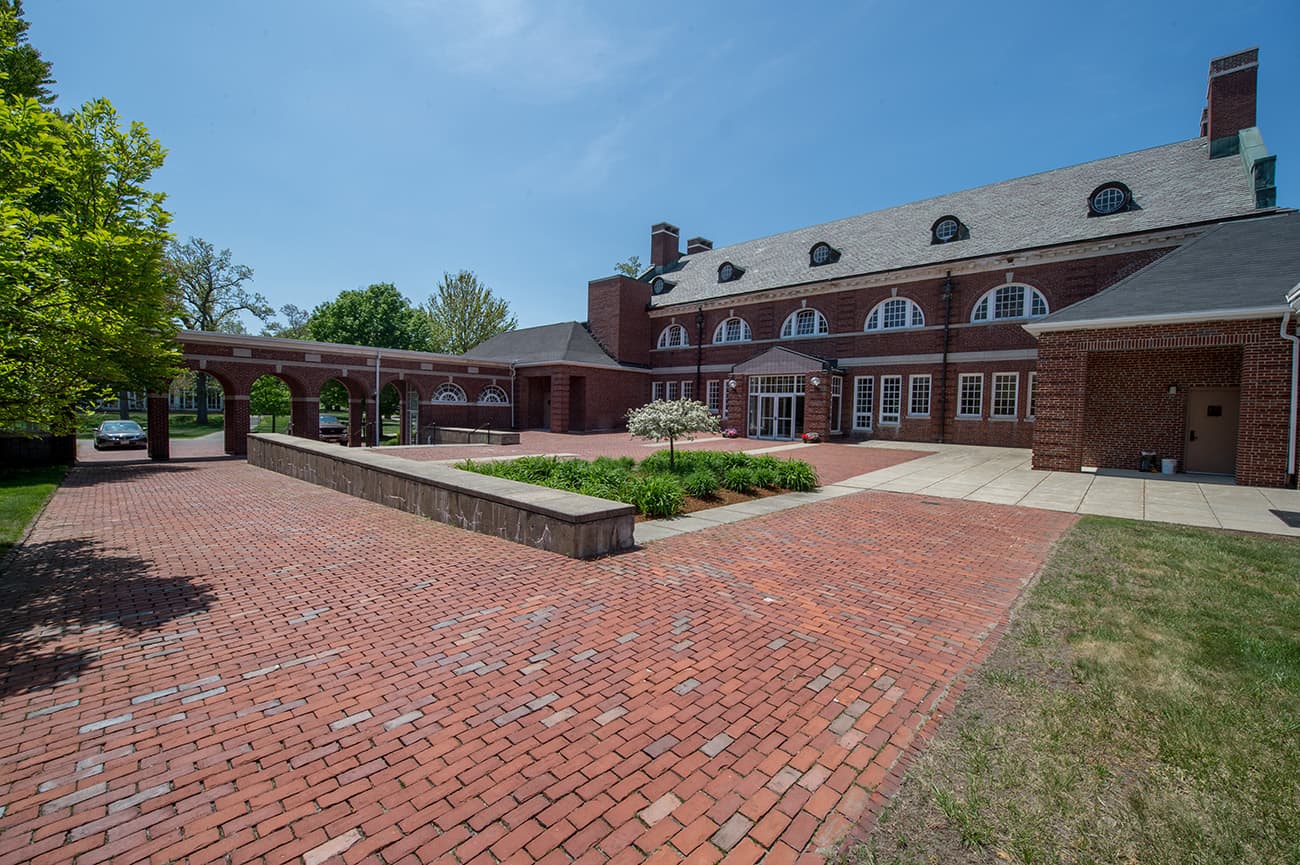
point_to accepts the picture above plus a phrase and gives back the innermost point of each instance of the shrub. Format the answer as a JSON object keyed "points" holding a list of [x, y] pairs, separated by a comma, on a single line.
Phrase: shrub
{"points": [[738, 480], [797, 475], [570, 474], [765, 475], [671, 420], [657, 463], [660, 496], [532, 470], [701, 483]]}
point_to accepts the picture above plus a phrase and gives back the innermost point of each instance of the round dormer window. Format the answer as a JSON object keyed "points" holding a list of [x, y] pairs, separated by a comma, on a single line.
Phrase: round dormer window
{"points": [[726, 273], [1109, 198], [821, 254], [946, 230]]}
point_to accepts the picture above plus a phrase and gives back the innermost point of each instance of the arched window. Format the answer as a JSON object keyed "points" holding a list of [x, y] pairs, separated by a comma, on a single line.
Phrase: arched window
{"points": [[733, 330], [895, 314], [1010, 301], [448, 392], [674, 336], [805, 322], [493, 395]]}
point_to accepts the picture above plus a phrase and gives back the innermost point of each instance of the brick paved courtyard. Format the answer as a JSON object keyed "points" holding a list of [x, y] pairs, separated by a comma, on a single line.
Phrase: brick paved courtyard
{"points": [[205, 660]]}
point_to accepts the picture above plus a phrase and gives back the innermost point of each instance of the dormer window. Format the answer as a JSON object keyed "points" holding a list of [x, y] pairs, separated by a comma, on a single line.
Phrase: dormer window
{"points": [[728, 272], [1113, 197], [661, 286], [948, 229], [823, 253], [673, 336]]}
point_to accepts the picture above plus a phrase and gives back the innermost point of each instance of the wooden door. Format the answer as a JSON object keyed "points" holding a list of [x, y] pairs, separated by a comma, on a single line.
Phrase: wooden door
{"points": [[1212, 430]]}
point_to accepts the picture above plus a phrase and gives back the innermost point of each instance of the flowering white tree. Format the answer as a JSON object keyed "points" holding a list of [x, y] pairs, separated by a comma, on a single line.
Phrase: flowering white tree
{"points": [[671, 419]]}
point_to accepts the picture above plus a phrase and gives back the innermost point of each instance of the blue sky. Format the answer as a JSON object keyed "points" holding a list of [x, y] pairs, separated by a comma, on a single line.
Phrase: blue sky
{"points": [[333, 144]]}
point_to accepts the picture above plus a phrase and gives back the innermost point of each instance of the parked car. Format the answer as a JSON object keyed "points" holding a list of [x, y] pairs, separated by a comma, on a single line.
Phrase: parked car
{"points": [[333, 430], [120, 434]]}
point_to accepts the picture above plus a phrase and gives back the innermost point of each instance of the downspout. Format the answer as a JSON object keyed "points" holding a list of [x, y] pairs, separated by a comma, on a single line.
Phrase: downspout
{"points": [[943, 371], [699, 349], [1295, 390], [513, 395], [378, 422]]}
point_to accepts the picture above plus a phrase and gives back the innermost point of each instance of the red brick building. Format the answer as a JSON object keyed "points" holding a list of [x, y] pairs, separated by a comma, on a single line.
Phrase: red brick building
{"points": [[942, 320]]}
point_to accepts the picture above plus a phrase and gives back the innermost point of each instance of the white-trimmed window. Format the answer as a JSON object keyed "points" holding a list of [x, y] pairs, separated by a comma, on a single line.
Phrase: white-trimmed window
{"points": [[493, 395], [970, 394], [1031, 398], [918, 404], [891, 399], [1010, 301], [688, 390], [657, 391], [863, 396], [448, 392], [671, 390], [713, 391], [1006, 390], [837, 402], [896, 313], [673, 336], [733, 330], [805, 322]]}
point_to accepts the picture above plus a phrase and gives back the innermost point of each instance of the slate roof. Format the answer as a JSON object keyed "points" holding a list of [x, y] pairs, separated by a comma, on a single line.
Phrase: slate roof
{"points": [[1175, 184], [564, 342], [1249, 264], [780, 360]]}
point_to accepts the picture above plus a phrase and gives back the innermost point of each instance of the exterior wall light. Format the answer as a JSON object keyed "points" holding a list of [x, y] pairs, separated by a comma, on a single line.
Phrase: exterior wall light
{"points": [[731, 384], [816, 382]]}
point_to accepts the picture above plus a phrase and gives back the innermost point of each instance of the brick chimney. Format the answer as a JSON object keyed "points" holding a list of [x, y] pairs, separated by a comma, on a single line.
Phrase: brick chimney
{"points": [[664, 239], [698, 244], [1230, 101]]}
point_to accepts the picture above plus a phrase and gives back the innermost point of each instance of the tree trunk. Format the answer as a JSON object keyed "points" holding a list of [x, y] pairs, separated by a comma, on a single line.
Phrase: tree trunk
{"points": [[201, 399], [123, 411], [672, 456]]}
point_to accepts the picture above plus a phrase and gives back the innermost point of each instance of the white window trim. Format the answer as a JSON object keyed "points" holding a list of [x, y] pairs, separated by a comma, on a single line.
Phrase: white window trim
{"points": [[893, 419], [449, 387], [993, 392], [869, 414], [929, 397], [671, 391], [1031, 396], [823, 327], [656, 391], [837, 395], [688, 385], [663, 337], [990, 296], [712, 395], [720, 332], [912, 306], [497, 389], [962, 378]]}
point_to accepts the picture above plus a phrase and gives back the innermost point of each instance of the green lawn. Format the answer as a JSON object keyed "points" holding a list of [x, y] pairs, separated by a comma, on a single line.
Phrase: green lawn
{"points": [[1143, 707], [22, 493], [181, 426]]}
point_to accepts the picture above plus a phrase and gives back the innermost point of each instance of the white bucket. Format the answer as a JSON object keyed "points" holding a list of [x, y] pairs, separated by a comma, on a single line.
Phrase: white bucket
{"points": [[1168, 467]]}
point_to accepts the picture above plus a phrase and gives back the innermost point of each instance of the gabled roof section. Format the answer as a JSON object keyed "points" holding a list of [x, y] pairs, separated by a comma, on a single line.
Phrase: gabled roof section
{"points": [[1176, 184], [780, 361], [565, 342], [1240, 269]]}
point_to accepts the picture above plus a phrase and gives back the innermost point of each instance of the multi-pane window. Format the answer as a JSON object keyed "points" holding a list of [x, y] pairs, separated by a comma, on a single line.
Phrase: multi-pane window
{"points": [[895, 313], [448, 392], [891, 398], [688, 390], [1032, 396], [733, 330], [837, 402], [919, 403], [657, 391], [673, 336], [671, 389], [713, 393], [1006, 386], [970, 394], [863, 397], [805, 322], [1010, 301], [493, 395]]}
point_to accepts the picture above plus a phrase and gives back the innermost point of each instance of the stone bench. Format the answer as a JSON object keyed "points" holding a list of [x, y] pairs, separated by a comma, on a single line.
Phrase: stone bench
{"points": [[455, 435], [562, 522]]}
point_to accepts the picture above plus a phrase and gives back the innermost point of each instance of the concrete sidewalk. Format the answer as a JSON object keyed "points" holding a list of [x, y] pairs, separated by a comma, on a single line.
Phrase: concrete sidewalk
{"points": [[1003, 476]]}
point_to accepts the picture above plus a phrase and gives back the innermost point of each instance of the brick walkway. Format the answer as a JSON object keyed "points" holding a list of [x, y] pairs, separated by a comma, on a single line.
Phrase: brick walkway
{"points": [[204, 659]]}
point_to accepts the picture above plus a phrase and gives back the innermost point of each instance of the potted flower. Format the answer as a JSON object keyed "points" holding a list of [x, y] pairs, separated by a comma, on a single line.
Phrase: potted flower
{"points": [[730, 432], [812, 437]]}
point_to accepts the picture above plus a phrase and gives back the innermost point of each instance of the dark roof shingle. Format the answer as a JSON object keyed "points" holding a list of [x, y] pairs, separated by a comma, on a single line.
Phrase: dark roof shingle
{"points": [[564, 342]]}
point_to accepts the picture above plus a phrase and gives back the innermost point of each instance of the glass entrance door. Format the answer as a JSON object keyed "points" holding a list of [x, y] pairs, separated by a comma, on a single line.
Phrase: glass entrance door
{"points": [[776, 407]]}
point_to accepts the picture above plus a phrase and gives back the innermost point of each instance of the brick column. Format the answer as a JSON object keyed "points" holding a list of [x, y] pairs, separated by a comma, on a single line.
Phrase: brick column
{"points": [[305, 416], [559, 402], [158, 430], [1265, 411], [237, 424], [736, 404], [1061, 398], [816, 406]]}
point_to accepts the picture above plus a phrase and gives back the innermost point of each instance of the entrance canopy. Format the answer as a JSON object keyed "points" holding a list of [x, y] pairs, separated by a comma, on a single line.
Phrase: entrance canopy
{"points": [[781, 361]]}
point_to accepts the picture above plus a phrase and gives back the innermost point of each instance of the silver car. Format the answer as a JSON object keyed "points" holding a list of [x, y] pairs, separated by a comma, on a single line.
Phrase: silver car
{"points": [[120, 434]]}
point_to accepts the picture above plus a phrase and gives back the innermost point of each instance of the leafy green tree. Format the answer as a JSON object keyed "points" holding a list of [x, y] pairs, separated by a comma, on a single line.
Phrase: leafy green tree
{"points": [[23, 73], [632, 267], [463, 312], [210, 295], [296, 320], [269, 395], [377, 316], [671, 420], [84, 307]]}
